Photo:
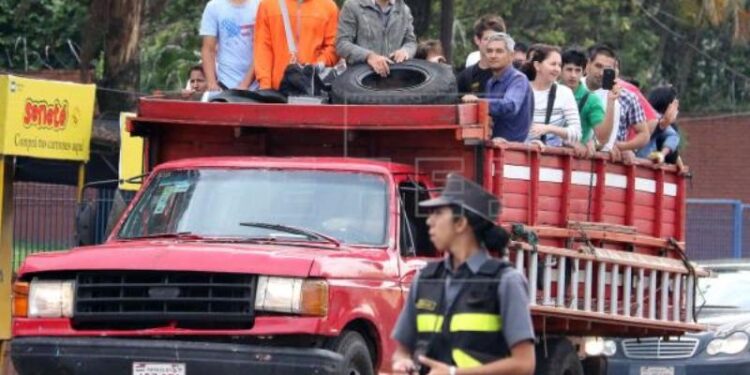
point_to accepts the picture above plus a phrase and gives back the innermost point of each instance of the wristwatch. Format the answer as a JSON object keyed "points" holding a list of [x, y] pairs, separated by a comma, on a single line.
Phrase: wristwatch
{"points": [[452, 370]]}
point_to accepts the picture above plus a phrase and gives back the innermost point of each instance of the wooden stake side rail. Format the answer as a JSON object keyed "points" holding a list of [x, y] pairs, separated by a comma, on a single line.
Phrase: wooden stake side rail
{"points": [[551, 190]]}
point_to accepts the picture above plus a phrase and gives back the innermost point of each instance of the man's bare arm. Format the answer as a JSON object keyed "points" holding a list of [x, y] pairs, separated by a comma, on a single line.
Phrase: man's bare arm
{"points": [[208, 55], [640, 140]]}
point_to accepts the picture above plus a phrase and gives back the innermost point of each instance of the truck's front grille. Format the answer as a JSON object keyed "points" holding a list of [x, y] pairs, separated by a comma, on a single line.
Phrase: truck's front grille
{"points": [[139, 299], [658, 348]]}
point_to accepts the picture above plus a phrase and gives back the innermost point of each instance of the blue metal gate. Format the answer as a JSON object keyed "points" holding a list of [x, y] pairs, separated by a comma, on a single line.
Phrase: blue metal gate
{"points": [[717, 228]]}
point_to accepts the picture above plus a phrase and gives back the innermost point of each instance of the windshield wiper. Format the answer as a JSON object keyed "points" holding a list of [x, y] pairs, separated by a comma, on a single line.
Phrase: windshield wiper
{"points": [[177, 236], [310, 234]]}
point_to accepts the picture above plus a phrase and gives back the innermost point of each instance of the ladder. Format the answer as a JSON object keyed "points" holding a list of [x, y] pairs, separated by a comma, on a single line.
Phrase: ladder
{"points": [[611, 287]]}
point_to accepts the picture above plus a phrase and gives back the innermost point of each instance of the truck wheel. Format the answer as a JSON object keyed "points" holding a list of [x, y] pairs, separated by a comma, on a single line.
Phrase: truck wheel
{"points": [[353, 348], [562, 359]]}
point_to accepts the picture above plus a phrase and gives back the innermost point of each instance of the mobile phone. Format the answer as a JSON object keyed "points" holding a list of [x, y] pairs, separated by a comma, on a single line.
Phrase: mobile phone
{"points": [[608, 79]]}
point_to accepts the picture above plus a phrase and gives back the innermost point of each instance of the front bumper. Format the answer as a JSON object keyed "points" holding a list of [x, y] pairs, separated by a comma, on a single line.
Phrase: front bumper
{"points": [[96, 356], [700, 365]]}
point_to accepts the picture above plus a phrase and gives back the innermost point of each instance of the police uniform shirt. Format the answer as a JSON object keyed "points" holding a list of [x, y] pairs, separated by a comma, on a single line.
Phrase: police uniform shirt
{"points": [[512, 292]]}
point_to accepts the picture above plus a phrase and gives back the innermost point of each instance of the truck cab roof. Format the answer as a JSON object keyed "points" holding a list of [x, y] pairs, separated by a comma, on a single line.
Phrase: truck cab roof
{"points": [[318, 163]]}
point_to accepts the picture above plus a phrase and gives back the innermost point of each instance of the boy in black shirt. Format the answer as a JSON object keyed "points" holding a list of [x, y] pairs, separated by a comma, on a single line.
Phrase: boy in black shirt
{"points": [[472, 81]]}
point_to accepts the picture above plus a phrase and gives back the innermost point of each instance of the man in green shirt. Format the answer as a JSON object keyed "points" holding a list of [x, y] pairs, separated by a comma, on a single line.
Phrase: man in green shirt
{"points": [[592, 110]]}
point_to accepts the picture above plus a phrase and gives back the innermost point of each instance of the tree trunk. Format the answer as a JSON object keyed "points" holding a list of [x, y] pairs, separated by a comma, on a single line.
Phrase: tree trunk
{"points": [[93, 35], [446, 27], [116, 24], [422, 12], [687, 58], [121, 58]]}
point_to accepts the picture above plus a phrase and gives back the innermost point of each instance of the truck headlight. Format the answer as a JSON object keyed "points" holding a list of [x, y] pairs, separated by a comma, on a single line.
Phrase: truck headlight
{"points": [[731, 344], [596, 346], [292, 295], [51, 298]]}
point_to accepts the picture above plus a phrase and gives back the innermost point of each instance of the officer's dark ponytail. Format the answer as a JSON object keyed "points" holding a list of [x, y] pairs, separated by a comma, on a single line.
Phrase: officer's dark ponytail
{"points": [[494, 238]]}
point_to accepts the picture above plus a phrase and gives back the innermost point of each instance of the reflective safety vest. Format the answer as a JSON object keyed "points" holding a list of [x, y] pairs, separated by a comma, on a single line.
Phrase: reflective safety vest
{"points": [[470, 334]]}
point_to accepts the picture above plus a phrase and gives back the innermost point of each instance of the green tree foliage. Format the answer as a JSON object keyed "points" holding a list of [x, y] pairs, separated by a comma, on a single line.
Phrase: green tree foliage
{"points": [[171, 44], [40, 34]]}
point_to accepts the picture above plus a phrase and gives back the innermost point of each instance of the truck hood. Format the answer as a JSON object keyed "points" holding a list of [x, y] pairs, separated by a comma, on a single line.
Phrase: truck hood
{"points": [[171, 255]]}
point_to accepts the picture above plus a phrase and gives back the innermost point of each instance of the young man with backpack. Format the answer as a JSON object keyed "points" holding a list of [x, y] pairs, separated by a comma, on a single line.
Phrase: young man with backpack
{"points": [[293, 32]]}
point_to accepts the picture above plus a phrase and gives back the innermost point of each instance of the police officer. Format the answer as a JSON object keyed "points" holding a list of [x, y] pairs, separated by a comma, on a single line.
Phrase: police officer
{"points": [[468, 313]]}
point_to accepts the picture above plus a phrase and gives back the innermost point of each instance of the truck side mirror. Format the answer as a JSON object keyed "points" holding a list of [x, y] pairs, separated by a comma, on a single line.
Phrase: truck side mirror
{"points": [[85, 223], [119, 204]]}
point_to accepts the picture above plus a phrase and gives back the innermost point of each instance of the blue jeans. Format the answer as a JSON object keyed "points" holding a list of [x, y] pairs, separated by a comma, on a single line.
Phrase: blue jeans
{"points": [[660, 139]]}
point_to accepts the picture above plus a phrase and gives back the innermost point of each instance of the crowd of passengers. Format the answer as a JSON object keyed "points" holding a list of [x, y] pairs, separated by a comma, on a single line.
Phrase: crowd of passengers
{"points": [[540, 94]]}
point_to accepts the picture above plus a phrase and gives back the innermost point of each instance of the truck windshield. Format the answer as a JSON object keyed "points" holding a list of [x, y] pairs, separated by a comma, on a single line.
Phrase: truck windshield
{"points": [[218, 203]]}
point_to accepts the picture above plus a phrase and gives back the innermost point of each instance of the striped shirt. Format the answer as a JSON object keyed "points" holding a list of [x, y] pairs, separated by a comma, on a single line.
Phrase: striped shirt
{"points": [[564, 114]]}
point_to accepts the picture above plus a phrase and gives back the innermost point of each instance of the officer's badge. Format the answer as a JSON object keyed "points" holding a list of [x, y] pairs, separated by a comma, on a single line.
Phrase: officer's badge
{"points": [[426, 304]]}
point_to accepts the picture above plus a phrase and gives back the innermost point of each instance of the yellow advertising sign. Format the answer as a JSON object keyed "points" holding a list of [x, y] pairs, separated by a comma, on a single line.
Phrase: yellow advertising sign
{"points": [[131, 155], [45, 119]]}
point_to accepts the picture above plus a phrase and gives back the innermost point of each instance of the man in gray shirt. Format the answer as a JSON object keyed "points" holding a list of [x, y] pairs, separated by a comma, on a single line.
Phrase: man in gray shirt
{"points": [[378, 32]]}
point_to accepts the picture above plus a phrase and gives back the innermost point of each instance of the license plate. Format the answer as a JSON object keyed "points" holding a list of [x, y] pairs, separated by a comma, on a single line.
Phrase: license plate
{"points": [[657, 370], [151, 368]]}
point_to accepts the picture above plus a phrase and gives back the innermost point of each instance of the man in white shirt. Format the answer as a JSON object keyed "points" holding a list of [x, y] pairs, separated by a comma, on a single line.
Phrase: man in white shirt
{"points": [[227, 28]]}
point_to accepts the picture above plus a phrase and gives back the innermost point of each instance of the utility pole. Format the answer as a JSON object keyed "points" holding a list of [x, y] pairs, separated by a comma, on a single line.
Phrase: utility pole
{"points": [[446, 28]]}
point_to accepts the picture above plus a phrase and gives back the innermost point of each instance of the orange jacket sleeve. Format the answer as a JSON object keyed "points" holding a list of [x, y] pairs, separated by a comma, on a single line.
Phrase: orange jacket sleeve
{"points": [[328, 52], [263, 48]]}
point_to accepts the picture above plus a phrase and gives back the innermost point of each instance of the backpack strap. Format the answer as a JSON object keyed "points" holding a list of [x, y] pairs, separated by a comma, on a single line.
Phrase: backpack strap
{"points": [[550, 103], [583, 101], [288, 28], [550, 106]]}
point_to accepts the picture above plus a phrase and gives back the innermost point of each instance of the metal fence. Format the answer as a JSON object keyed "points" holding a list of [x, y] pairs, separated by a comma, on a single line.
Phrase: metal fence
{"points": [[717, 228], [45, 217]]}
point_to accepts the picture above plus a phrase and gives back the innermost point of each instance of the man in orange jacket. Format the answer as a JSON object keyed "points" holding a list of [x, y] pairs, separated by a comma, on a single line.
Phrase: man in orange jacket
{"points": [[315, 40]]}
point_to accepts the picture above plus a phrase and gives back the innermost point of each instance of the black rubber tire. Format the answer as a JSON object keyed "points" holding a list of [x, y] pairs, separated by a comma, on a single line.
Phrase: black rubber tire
{"points": [[411, 82], [562, 358], [246, 96], [352, 346]]}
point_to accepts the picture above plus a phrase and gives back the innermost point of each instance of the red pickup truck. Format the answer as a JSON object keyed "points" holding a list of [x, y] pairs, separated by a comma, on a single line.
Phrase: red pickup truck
{"points": [[282, 239]]}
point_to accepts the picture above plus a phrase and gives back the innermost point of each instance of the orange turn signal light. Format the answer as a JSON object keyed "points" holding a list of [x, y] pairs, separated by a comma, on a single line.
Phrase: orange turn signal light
{"points": [[314, 299], [20, 299]]}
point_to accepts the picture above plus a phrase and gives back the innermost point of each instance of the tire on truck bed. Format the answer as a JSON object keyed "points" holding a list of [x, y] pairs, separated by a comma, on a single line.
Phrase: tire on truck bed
{"points": [[411, 82]]}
